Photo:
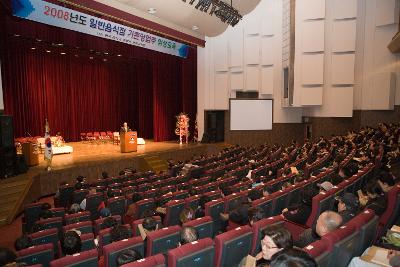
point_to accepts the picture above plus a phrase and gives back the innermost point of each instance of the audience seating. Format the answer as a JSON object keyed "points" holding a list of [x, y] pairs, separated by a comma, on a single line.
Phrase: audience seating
{"points": [[144, 204], [152, 261], [111, 251], [203, 225], [232, 201], [56, 222], [320, 252], [58, 212], [392, 210], [192, 202], [104, 237], [45, 237], [117, 205], [83, 227], [65, 196], [32, 214], [265, 204], [41, 254], [83, 259], [173, 210], [79, 195], [82, 216], [93, 202], [162, 240], [213, 209], [232, 246], [98, 224], [198, 253]]}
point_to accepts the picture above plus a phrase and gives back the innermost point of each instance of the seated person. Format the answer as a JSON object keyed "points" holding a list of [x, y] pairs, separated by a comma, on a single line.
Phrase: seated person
{"points": [[119, 233], [109, 222], [149, 225], [274, 239], [372, 197], [300, 213], [71, 243], [188, 235], [327, 222], [127, 256], [75, 208], [255, 214], [23, 242], [348, 206], [132, 211], [201, 211], [7, 257], [385, 181], [293, 257]]}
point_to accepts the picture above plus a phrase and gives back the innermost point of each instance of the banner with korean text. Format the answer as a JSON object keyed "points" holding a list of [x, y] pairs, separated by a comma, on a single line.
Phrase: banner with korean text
{"points": [[55, 15]]}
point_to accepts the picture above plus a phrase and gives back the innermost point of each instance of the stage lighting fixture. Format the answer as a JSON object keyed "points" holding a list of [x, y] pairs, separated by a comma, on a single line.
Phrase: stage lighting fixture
{"points": [[226, 13]]}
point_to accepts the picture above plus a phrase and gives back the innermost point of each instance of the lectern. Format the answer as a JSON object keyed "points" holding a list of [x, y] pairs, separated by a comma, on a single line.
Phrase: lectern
{"points": [[31, 153], [128, 142]]}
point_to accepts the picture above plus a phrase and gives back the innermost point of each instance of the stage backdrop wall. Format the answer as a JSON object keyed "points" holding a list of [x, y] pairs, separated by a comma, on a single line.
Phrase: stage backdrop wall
{"points": [[79, 94]]}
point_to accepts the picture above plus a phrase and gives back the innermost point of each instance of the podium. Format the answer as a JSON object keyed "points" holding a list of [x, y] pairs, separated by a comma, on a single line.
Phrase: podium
{"points": [[128, 141], [31, 153]]}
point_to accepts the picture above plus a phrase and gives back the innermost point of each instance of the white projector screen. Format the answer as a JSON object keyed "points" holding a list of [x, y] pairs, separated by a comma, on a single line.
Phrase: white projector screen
{"points": [[251, 114]]}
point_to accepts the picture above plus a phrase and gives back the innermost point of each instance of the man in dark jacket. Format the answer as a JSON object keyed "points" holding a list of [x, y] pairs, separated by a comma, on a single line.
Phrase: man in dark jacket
{"points": [[348, 206]]}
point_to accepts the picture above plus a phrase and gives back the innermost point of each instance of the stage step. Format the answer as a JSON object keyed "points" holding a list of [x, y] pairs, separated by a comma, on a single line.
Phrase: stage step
{"points": [[12, 193], [155, 163]]}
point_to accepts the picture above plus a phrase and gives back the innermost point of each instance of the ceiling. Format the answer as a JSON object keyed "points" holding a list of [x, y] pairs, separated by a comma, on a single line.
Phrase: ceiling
{"points": [[179, 15]]}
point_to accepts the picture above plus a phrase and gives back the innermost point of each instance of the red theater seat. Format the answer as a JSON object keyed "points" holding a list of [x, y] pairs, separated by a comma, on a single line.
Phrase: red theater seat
{"points": [[111, 251], [198, 253], [257, 229], [173, 210], [153, 261], [41, 254], [162, 240], [83, 216], [83, 259], [204, 226], [135, 225], [232, 246]]}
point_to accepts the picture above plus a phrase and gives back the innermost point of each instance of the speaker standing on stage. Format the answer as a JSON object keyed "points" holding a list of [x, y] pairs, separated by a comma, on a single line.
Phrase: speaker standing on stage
{"points": [[124, 128]]}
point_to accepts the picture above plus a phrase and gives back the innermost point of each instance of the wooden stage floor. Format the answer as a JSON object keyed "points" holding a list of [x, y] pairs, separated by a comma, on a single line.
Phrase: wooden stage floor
{"points": [[86, 153]]}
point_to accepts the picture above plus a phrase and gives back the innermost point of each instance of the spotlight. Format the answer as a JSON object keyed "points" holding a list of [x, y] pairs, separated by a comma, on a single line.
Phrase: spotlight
{"points": [[91, 57], [119, 55], [152, 10], [48, 51], [62, 53], [33, 48]]}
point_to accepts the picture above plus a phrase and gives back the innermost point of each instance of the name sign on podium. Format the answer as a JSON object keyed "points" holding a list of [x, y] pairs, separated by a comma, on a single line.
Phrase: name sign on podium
{"points": [[128, 142]]}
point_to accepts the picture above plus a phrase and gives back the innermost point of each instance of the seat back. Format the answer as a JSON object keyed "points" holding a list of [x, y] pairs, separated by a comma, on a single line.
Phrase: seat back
{"points": [[319, 251], [366, 223], [117, 205], [83, 216], [232, 201], [232, 246], [162, 240], [135, 225], [173, 209], [93, 201], [320, 203], [192, 202], [58, 212], [152, 261], [264, 204], [145, 204], [83, 259], [45, 237], [213, 209], [204, 226], [41, 254], [343, 244], [280, 201], [55, 222], [392, 210], [98, 224], [111, 251], [257, 229], [198, 253], [83, 227]]}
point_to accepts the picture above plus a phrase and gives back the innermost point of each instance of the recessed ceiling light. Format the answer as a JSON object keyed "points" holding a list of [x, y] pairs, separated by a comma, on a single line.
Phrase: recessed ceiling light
{"points": [[39, 40], [105, 53], [104, 59], [195, 28], [16, 35], [48, 51], [91, 57], [152, 10], [33, 48], [62, 53], [119, 55]]}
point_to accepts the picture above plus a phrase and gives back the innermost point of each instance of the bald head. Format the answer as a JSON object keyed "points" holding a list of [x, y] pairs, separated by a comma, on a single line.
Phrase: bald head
{"points": [[327, 222]]}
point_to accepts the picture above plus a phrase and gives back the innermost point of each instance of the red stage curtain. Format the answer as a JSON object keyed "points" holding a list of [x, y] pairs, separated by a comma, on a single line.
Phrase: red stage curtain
{"points": [[145, 88]]}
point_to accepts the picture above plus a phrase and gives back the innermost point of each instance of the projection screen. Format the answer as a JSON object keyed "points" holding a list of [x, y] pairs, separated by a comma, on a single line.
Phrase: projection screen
{"points": [[255, 114]]}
